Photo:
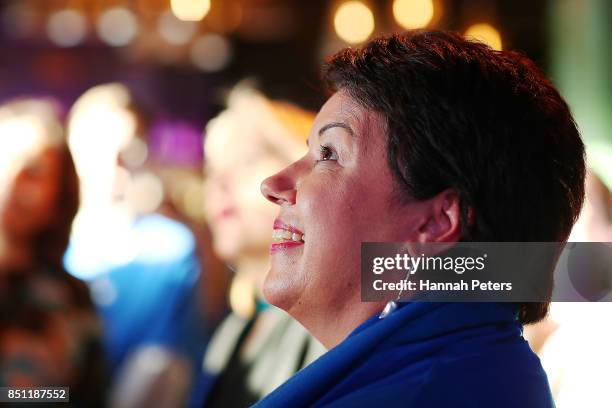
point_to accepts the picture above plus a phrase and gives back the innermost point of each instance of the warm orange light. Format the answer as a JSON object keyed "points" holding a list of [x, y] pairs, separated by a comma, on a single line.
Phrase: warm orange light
{"points": [[354, 22], [485, 33], [190, 10], [412, 14]]}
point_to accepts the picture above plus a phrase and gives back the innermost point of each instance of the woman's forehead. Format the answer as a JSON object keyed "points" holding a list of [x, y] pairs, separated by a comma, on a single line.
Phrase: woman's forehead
{"points": [[343, 108]]}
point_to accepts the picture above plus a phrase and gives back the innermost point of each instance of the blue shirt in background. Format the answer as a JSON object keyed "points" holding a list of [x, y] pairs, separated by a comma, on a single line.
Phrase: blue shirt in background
{"points": [[148, 297]]}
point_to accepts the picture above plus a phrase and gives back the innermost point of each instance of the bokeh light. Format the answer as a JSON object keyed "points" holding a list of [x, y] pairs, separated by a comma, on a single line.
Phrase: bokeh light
{"points": [[175, 31], [190, 10], [103, 291], [241, 296], [354, 22], [117, 26], [412, 14], [67, 28], [144, 192], [135, 153], [211, 52], [14, 151], [485, 33]]}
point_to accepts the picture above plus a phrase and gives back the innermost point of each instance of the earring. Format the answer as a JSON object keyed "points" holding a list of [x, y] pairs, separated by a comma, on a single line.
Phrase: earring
{"points": [[389, 308], [392, 305]]}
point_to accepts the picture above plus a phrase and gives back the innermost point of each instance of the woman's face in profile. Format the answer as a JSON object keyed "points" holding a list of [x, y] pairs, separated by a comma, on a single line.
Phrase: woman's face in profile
{"points": [[341, 193]]}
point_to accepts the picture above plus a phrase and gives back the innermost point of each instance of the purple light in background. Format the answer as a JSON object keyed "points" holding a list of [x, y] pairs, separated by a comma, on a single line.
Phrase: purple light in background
{"points": [[175, 142]]}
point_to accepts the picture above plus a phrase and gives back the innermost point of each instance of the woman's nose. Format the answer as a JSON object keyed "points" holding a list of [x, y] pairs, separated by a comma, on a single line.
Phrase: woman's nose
{"points": [[279, 188]]}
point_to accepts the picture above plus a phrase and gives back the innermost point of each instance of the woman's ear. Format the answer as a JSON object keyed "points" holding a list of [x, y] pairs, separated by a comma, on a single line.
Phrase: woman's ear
{"points": [[444, 218]]}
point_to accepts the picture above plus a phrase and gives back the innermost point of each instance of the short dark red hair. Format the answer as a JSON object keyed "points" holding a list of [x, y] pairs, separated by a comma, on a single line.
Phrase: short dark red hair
{"points": [[486, 123]]}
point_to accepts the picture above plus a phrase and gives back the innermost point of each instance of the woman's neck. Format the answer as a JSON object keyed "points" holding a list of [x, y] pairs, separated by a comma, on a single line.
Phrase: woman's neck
{"points": [[334, 331], [333, 322]]}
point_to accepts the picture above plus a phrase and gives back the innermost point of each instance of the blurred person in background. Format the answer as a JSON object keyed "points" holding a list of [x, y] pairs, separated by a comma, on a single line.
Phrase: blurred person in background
{"points": [[257, 347], [49, 332], [579, 375], [142, 266]]}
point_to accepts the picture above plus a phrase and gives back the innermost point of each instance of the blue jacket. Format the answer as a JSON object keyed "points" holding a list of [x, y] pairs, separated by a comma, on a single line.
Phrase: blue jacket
{"points": [[425, 355]]}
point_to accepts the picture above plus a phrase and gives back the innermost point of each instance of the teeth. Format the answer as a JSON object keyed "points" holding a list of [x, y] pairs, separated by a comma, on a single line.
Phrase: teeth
{"points": [[284, 235]]}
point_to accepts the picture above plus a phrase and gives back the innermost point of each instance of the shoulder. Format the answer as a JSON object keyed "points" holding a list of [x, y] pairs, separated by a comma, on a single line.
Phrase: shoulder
{"points": [[505, 375]]}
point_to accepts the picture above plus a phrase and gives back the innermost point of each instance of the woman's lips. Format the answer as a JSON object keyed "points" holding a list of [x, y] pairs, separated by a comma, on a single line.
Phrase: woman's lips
{"points": [[285, 236], [280, 225], [279, 246]]}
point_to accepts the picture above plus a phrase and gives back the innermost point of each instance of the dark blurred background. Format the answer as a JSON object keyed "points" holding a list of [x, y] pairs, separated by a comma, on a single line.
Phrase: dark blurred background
{"points": [[65, 46], [180, 68]]}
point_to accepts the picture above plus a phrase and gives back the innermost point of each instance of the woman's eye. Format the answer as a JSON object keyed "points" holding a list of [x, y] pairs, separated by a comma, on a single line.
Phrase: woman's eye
{"points": [[326, 153]]}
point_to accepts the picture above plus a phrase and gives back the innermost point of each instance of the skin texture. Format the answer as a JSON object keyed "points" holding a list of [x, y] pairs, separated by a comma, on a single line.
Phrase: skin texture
{"points": [[339, 197]]}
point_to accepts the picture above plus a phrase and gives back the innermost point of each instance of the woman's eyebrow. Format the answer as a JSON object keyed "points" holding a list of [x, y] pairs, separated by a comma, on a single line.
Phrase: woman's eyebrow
{"points": [[336, 124]]}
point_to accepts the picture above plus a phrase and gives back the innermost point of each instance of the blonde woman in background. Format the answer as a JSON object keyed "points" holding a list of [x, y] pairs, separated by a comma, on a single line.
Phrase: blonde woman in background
{"points": [[258, 346]]}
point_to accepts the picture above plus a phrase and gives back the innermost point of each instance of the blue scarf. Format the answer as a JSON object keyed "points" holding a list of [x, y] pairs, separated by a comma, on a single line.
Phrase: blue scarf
{"points": [[425, 355]]}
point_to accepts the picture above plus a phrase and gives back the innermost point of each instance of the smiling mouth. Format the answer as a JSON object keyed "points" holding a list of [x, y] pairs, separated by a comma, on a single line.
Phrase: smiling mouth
{"points": [[285, 236], [282, 235]]}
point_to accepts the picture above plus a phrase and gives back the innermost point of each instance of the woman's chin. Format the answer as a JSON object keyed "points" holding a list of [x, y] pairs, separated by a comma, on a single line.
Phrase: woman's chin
{"points": [[278, 291]]}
